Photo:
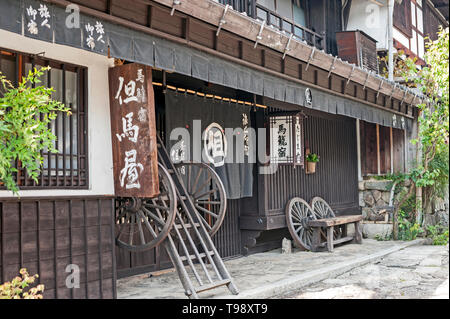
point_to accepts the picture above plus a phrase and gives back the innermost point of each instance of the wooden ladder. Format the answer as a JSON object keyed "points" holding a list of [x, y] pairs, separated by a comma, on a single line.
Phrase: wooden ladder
{"points": [[196, 251]]}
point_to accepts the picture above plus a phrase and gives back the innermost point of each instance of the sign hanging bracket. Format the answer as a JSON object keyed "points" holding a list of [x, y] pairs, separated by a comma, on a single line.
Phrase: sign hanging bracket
{"points": [[404, 97], [259, 36], [350, 75], [379, 88], [393, 90], [311, 57], [367, 79], [175, 3], [332, 67], [286, 49], [222, 20]]}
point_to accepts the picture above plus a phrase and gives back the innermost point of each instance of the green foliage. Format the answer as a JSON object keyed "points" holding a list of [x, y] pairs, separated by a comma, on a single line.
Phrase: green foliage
{"points": [[432, 80], [440, 165], [19, 287], [438, 234], [386, 237], [313, 158], [407, 230], [25, 112]]}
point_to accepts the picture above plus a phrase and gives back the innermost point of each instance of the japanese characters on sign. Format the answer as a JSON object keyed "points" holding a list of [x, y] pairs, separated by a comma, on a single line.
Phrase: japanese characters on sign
{"points": [[38, 18], [215, 144], [281, 139], [286, 143], [94, 34], [133, 131]]}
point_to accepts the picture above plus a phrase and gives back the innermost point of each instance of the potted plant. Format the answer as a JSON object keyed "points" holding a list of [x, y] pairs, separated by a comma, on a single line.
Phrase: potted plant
{"points": [[311, 161]]}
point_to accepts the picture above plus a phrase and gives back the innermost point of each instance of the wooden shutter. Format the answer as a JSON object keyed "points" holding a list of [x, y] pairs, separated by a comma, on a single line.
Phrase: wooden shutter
{"points": [[402, 17]]}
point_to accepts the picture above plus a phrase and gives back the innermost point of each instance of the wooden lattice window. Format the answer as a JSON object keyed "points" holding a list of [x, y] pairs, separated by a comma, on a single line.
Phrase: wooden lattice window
{"points": [[402, 17], [69, 167]]}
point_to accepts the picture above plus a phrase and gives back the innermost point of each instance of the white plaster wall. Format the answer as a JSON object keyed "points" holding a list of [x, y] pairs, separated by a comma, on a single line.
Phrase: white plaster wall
{"points": [[99, 134], [371, 18]]}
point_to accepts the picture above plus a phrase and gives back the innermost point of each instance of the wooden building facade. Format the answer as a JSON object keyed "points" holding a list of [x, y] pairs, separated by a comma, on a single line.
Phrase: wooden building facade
{"points": [[70, 217]]}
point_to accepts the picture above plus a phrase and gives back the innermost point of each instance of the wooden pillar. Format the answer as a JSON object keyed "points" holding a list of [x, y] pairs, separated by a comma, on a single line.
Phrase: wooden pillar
{"points": [[391, 144], [358, 149], [378, 150]]}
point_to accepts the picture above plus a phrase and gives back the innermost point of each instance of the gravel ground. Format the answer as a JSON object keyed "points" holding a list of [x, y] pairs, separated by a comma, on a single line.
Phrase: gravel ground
{"points": [[412, 273]]}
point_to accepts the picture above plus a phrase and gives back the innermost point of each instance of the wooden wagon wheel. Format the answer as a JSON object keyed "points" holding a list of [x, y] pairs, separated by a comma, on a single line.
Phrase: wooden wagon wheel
{"points": [[298, 213], [143, 223], [323, 210], [207, 193]]}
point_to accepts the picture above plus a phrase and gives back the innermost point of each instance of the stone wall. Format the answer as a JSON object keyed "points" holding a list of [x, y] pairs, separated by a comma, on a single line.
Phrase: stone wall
{"points": [[440, 212], [374, 195]]}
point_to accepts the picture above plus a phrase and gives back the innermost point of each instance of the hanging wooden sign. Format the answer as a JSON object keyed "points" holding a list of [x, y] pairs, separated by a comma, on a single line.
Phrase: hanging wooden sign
{"points": [[133, 131]]}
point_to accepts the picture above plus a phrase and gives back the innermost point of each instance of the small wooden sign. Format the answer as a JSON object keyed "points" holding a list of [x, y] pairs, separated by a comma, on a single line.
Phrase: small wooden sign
{"points": [[133, 131]]}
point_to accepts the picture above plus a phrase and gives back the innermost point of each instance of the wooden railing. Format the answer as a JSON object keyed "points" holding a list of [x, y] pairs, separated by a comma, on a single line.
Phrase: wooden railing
{"points": [[259, 12]]}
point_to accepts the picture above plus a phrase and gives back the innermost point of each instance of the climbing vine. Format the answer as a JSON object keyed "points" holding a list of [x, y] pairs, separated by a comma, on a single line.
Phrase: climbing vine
{"points": [[25, 114]]}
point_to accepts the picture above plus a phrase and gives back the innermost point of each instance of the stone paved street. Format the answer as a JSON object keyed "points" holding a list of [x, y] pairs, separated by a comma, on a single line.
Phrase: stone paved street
{"points": [[279, 269], [420, 272]]}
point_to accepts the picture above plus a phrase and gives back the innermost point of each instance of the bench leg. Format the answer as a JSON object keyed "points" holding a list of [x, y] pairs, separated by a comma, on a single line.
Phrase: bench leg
{"points": [[315, 246], [330, 231], [344, 230], [358, 233]]}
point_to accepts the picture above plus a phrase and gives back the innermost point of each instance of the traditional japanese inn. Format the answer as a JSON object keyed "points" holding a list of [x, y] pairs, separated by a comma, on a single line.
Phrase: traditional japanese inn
{"points": [[200, 131]]}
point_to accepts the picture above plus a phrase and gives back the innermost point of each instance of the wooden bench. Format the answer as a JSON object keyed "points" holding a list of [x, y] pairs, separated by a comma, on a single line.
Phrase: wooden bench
{"points": [[329, 224]]}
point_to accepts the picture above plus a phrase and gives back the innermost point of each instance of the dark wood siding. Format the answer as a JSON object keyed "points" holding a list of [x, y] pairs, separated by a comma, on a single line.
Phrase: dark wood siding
{"points": [[228, 238], [336, 178], [432, 21], [402, 17], [45, 235]]}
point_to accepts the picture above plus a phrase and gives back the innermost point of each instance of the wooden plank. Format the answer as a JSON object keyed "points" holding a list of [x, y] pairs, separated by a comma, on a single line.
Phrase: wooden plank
{"points": [[328, 222], [133, 131], [213, 285], [343, 240]]}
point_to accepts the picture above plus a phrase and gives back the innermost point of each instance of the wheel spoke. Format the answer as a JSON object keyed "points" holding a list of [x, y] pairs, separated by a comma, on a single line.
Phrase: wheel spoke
{"points": [[130, 240], [153, 216], [207, 193], [208, 226], [202, 186], [141, 232], [208, 202], [149, 227], [156, 206], [207, 211], [194, 187]]}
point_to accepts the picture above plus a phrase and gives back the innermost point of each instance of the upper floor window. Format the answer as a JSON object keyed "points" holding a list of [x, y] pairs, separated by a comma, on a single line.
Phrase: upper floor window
{"points": [[402, 17], [69, 167], [417, 38]]}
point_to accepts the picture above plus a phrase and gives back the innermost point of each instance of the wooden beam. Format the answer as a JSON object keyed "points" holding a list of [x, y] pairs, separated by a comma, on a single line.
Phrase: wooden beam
{"points": [[321, 59], [186, 28], [109, 6], [149, 16], [247, 27]]}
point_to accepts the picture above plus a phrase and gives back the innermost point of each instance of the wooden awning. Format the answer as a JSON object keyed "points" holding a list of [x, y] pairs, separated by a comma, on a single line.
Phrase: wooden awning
{"points": [[96, 34]]}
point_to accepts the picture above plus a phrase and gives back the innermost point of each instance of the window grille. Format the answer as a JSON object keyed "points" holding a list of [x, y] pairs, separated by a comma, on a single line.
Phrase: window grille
{"points": [[69, 167]]}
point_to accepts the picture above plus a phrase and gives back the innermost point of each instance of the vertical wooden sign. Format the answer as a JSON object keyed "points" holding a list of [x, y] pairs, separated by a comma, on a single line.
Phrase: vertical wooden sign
{"points": [[133, 131]]}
